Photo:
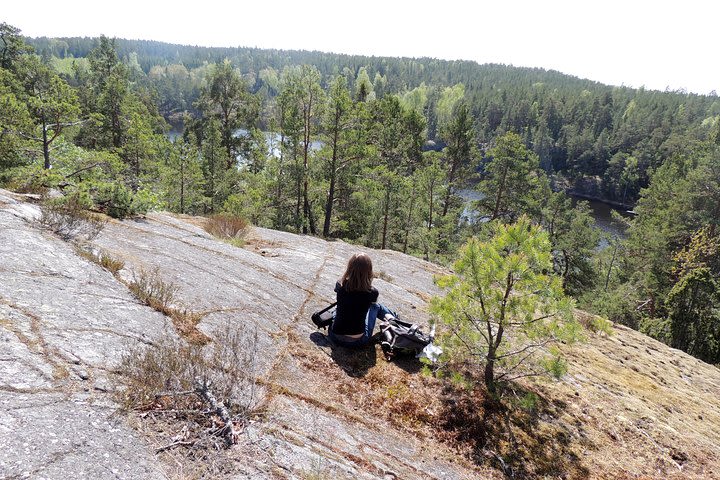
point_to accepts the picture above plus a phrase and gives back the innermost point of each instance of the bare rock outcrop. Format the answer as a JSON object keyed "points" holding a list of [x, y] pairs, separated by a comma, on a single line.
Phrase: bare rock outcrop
{"points": [[63, 323], [629, 407]]}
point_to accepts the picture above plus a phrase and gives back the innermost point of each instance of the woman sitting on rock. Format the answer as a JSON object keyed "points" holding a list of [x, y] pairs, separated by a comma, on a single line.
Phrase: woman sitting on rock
{"points": [[357, 307]]}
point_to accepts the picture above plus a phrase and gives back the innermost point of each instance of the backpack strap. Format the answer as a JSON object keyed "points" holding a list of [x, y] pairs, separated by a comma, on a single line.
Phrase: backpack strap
{"points": [[327, 308]]}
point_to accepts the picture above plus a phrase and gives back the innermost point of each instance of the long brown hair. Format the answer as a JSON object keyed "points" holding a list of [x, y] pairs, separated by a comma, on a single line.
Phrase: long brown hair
{"points": [[358, 274]]}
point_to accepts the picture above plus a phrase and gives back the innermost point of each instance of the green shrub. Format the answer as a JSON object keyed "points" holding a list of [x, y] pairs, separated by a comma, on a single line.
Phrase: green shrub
{"points": [[555, 366], [144, 200], [115, 199], [619, 305], [529, 401], [31, 179], [657, 328]]}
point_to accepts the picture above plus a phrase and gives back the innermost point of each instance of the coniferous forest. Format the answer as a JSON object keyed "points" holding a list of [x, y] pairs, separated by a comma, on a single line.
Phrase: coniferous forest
{"points": [[414, 155]]}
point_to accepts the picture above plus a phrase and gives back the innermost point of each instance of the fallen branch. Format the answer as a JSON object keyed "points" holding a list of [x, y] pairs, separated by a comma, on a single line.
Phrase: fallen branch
{"points": [[660, 449], [202, 388], [504, 466], [175, 444], [96, 164]]}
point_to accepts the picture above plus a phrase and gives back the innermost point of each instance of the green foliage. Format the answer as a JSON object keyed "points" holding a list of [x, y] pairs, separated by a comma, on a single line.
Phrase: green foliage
{"points": [[447, 103], [12, 46], [657, 328], [693, 303], [51, 102], [513, 183], [225, 98], [182, 178], [115, 199], [618, 304], [529, 401], [14, 119], [143, 201], [555, 365], [574, 239], [32, 179], [575, 126], [363, 86], [502, 308]]}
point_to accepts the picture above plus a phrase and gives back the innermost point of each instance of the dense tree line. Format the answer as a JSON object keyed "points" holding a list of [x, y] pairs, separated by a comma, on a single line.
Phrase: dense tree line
{"points": [[603, 141], [377, 151]]}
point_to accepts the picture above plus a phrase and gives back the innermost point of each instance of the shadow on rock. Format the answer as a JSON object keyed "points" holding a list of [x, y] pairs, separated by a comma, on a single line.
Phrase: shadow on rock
{"points": [[321, 340], [356, 362], [522, 436], [408, 363]]}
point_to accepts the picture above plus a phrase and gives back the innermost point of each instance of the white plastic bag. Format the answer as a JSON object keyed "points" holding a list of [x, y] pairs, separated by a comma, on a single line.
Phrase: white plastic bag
{"points": [[431, 352]]}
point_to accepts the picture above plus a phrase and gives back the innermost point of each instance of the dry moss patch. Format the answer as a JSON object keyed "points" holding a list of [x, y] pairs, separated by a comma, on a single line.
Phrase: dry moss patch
{"points": [[629, 407]]}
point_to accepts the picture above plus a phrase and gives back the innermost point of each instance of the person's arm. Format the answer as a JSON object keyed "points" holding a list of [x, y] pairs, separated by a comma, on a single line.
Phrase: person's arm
{"points": [[374, 294]]}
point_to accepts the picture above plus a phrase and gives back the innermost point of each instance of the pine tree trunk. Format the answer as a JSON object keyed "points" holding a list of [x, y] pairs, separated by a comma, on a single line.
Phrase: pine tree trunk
{"points": [[46, 144], [182, 186], [385, 215], [499, 195], [329, 205], [490, 374], [333, 175], [409, 218]]}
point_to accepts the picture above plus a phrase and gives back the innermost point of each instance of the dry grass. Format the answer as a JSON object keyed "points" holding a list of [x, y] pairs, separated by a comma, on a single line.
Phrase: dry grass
{"points": [[155, 375], [160, 383], [105, 260], [520, 435], [629, 407], [226, 226], [149, 288]]}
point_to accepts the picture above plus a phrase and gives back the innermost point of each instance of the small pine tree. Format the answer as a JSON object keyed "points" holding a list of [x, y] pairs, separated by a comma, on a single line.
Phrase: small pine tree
{"points": [[503, 311]]}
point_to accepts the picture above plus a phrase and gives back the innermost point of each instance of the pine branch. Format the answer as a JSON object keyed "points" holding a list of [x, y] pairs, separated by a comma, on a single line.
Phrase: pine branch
{"points": [[527, 347]]}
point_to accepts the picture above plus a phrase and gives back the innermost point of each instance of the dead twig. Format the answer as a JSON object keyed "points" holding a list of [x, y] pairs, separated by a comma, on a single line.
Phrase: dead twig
{"points": [[186, 443], [507, 470], [660, 449], [202, 388]]}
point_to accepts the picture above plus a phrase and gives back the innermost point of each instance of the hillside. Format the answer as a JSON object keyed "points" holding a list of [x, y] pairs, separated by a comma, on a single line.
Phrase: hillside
{"points": [[630, 407]]}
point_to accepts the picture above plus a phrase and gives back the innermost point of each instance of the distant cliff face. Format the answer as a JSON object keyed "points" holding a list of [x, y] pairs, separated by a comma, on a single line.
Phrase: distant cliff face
{"points": [[629, 406]]}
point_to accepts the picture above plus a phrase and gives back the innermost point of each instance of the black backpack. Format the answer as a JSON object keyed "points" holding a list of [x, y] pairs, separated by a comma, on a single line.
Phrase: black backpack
{"points": [[398, 337]]}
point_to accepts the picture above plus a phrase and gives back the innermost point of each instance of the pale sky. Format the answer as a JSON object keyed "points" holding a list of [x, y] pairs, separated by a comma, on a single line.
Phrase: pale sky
{"points": [[656, 44]]}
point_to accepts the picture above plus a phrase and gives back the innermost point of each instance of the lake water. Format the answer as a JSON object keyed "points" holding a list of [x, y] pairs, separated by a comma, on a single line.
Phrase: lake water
{"points": [[601, 212], [272, 140]]}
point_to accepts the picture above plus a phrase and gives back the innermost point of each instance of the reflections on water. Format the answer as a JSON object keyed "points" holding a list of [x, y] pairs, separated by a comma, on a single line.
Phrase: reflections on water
{"points": [[601, 212], [272, 140], [174, 133]]}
